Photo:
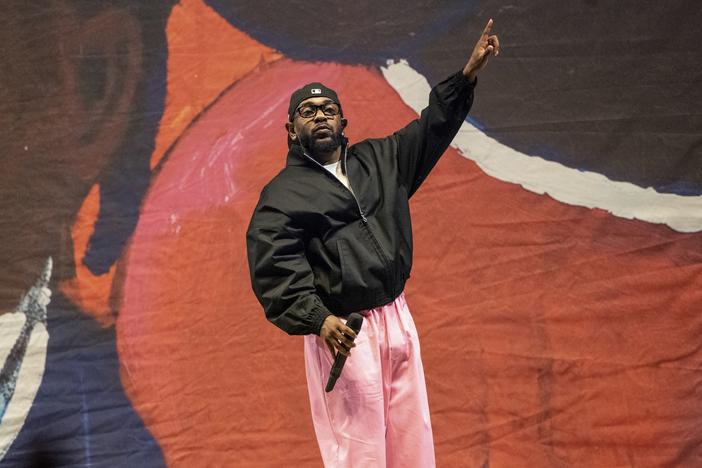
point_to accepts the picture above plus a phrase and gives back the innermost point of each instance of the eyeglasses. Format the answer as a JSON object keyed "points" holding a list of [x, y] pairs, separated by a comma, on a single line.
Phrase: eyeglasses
{"points": [[308, 111]]}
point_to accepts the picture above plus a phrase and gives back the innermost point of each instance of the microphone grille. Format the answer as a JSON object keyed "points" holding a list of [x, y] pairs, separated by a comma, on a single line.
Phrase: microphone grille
{"points": [[354, 322]]}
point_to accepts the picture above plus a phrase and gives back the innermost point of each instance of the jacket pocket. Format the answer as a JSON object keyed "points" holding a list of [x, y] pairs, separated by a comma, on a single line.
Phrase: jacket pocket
{"points": [[354, 287]]}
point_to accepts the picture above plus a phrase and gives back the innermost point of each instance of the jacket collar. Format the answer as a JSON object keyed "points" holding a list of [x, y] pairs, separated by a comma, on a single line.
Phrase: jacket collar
{"points": [[296, 157]]}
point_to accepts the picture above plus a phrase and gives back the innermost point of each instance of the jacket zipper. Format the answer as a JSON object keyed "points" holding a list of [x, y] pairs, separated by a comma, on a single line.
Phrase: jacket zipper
{"points": [[358, 205], [364, 220]]}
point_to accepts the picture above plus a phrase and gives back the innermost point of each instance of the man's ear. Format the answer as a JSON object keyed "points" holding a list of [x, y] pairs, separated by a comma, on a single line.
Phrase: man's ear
{"points": [[103, 67], [291, 131], [344, 123]]}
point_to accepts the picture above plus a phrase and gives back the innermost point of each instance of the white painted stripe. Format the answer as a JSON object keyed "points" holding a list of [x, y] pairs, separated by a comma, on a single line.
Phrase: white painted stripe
{"points": [[28, 381], [10, 327], [536, 174], [31, 371]]}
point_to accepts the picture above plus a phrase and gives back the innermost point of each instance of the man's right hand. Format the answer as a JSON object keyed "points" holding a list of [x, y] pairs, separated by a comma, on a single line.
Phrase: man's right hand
{"points": [[338, 337]]}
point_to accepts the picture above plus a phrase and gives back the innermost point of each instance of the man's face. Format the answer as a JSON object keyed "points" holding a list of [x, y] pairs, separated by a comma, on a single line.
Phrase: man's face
{"points": [[319, 132]]}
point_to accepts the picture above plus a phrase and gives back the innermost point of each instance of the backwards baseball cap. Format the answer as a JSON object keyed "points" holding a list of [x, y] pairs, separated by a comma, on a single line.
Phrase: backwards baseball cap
{"points": [[311, 90]]}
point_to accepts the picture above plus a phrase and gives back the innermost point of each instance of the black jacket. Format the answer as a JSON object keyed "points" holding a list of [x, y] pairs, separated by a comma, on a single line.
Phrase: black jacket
{"points": [[315, 249]]}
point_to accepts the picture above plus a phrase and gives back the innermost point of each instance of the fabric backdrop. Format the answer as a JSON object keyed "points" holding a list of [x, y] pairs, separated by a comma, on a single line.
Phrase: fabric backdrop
{"points": [[557, 283]]}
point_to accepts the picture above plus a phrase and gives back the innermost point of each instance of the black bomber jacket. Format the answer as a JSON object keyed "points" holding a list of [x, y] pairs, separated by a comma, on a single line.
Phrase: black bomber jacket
{"points": [[315, 248]]}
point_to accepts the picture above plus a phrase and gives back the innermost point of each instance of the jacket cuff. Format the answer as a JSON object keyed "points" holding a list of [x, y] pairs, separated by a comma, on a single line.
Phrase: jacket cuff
{"points": [[318, 314], [463, 80]]}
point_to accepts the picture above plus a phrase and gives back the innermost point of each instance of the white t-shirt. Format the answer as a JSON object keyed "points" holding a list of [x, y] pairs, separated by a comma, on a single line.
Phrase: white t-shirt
{"points": [[335, 168]]}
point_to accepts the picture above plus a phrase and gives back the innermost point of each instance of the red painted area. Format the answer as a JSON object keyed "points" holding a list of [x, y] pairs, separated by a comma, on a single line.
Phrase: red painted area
{"points": [[552, 335], [205, 55], [200, 66], [91, 293]]}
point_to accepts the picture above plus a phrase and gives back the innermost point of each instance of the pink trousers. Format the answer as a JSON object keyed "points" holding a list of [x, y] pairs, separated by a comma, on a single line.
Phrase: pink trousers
{"points": [[377, 416]]}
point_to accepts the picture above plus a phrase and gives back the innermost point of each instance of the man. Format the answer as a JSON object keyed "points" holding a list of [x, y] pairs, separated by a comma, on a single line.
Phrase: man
{"points": [[331, 235]]}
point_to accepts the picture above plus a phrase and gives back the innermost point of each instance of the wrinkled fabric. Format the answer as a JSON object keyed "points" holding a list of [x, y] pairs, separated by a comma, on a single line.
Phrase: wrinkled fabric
{"points": [[377, 415]]}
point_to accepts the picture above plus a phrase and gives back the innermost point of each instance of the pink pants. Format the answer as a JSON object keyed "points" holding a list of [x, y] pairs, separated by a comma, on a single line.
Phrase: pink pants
{"points": [[377, 416]]}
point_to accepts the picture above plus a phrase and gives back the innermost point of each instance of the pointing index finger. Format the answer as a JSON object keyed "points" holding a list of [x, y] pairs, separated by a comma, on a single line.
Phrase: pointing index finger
{"points": [[486, 31]]}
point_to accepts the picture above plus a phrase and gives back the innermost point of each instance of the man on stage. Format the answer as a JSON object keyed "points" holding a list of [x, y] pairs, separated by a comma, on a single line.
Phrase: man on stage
{"points": [[331, 235]]}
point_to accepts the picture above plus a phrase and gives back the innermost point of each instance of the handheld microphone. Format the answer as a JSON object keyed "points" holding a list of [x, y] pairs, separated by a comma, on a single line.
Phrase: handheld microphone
{"points": [[354, 322]]}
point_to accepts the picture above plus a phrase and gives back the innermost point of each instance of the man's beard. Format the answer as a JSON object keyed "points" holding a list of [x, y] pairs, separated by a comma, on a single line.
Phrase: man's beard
{"points": [[319, 147]]}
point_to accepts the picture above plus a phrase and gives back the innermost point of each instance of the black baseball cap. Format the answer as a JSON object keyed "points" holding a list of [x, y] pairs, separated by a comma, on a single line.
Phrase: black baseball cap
{"points": [[310, 90]]}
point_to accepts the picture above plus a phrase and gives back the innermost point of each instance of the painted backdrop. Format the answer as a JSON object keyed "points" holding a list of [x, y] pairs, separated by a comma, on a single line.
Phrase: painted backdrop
{"points": [[557, 281]]}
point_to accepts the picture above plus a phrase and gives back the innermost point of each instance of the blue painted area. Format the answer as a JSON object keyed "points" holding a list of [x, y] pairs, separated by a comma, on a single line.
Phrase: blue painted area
{"points": [[551, 153], [473, 121], [81, 415], [85, 414], [289, 34], [680, 188], [124, 183]]}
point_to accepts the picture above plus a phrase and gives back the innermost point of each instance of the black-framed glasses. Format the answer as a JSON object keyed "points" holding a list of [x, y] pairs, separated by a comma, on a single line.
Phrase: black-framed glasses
{"points": [[307, 111]]}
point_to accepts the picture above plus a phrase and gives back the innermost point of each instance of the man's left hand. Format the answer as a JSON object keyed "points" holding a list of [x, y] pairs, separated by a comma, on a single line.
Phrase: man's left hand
{"points": [[487, 45]]}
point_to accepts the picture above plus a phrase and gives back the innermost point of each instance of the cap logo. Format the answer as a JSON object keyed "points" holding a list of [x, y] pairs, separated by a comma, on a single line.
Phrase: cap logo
{"points": [[316, 91]]}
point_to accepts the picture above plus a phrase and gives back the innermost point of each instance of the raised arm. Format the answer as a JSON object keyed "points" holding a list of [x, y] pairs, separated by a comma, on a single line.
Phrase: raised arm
{"points": [[421, 143]]}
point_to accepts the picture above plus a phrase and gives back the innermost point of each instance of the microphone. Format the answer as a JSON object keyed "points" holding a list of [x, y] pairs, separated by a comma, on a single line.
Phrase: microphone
{"points": [[354, 322]]}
